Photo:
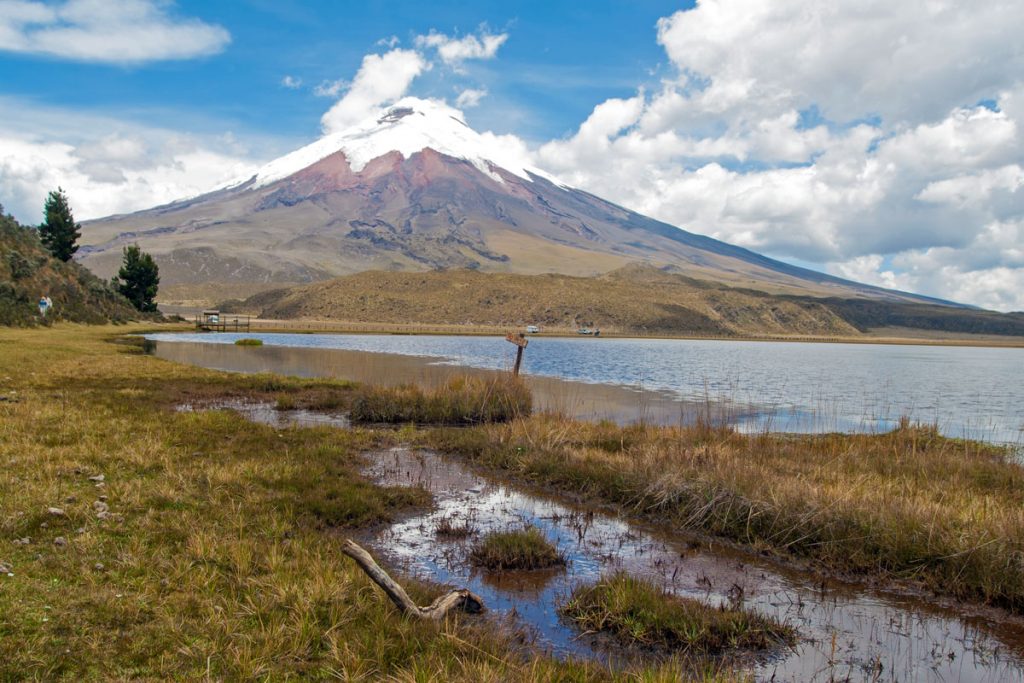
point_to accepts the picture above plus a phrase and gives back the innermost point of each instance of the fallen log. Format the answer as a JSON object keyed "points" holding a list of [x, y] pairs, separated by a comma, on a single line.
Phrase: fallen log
{"points": [[461, 599]]}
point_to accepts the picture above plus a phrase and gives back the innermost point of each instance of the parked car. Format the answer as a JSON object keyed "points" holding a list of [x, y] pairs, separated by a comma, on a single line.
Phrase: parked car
{"points": [[532, 329]]}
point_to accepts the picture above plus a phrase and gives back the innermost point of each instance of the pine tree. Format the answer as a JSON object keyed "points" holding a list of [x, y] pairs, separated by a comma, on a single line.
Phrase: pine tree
{"points": [[139, 278], [59, 233]]}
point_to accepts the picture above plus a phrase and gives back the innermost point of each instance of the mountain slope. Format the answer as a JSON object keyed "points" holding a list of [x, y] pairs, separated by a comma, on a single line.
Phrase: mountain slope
{"points": [[28, 272], [416, 189]]}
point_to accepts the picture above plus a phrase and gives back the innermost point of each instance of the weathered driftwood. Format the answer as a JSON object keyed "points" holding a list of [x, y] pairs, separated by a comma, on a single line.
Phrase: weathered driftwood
{"points": [[461, 599]]}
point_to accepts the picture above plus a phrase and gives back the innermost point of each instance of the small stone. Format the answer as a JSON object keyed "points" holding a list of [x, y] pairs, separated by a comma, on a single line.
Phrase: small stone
{"points": [[80, 530], [98, 566], [5, 568], [71, 499], [164, 583], [103, 498], [44, 525], [100, 506], [97, 478], [57, 512], [102, 514], [25, 540], [60, 541]]}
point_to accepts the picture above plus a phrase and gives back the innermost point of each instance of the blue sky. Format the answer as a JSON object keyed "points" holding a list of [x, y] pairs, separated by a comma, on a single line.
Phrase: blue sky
{"points": [[878, 141], [560, 60]]}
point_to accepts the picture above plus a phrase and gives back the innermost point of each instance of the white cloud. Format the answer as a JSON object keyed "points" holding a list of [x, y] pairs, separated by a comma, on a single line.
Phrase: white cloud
{"points": [[106, 165], [291, 82], [127, 31], [454, 51], [470, 97], [380, 79], [330, 88], [847, 134]]}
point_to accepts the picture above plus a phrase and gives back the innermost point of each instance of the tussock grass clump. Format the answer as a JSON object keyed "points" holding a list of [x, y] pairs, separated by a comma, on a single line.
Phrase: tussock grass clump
{"points": [[462, 400], [248, 341], [909, 504], [450, 528], [525, 548], [637, 612]]}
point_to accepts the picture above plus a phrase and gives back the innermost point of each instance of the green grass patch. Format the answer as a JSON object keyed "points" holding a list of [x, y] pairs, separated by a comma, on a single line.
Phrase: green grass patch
{"points": [[460, 401], [248, 341], [518, 549], [637, 612]]}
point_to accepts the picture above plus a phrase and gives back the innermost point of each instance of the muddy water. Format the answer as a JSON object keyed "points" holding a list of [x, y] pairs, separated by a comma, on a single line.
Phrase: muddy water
{"points": [[846, 634], [577, 399], [268, 414]]}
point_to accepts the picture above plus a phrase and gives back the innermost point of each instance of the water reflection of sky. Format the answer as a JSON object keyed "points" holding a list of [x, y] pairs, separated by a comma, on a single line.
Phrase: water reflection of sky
{"points": [[875, 637], [785, 386]]}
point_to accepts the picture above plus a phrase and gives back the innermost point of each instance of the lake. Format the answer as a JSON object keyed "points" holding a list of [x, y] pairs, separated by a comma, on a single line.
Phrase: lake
{"points": [[970, 392]]}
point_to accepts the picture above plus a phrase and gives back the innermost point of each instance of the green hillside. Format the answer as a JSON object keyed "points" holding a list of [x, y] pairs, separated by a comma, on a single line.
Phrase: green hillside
{"points": [[28, 272]]}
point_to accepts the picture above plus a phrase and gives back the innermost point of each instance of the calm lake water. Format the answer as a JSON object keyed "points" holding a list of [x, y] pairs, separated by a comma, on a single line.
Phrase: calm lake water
{"points": [[781, 386]]}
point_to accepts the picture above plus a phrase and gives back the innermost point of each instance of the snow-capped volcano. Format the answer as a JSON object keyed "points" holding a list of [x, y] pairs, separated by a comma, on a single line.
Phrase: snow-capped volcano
{"points": [[414, 188], [407, 127]]}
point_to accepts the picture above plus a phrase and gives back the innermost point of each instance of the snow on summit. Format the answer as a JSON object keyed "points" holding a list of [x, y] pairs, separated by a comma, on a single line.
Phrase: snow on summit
{"points": [[409, 126]]}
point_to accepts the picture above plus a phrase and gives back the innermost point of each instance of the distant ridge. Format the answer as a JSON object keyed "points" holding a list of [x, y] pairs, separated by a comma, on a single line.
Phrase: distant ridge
{"points": [[636, 299]]}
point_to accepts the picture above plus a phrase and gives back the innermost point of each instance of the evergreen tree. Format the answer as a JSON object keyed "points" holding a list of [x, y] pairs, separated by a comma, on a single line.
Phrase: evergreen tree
{"points": [[59, 233], [139, 278]]}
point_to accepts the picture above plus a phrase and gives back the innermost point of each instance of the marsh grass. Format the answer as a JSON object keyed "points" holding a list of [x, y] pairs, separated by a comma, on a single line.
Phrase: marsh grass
{"points": [[516, 549], [637, 612], [448, 527], [909, 504], [462, 400], [248, 341], [219, 558]]}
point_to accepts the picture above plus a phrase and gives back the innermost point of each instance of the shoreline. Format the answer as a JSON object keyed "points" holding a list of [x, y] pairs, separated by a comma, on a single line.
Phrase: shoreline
{"points": [[259, 325]]}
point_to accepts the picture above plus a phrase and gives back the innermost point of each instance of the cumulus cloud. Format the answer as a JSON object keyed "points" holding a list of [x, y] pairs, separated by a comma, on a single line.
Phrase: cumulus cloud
{"points": [[127, 31], [291, 82], [470, 97], [380, 79], [881, 141], [454, 51], [129, 168]]}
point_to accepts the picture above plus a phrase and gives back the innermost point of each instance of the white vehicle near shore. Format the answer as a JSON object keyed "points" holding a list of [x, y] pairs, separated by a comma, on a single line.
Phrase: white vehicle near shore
{"points": [[532, 329]]}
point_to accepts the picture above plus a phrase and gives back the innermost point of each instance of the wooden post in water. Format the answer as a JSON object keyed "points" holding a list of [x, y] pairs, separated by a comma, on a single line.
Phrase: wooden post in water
{"points": [[520, 340]]}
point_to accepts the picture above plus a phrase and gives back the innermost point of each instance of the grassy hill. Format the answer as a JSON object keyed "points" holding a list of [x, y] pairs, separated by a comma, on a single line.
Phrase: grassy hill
{"points": [[634, 299], [28, 271]]}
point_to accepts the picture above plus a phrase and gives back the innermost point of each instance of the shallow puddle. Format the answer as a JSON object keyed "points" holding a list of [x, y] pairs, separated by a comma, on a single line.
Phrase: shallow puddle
{"points": [[266, 413], [846, 633]]}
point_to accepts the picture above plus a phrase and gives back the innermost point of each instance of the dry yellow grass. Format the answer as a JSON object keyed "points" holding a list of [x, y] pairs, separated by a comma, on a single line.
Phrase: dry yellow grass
{"points": [[209, 551], [910, 504], [634, 299]]}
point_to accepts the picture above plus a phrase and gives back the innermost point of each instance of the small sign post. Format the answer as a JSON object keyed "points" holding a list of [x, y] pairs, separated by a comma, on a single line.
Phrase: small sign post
{"points": [[520, 340]]}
